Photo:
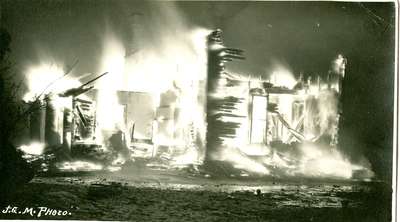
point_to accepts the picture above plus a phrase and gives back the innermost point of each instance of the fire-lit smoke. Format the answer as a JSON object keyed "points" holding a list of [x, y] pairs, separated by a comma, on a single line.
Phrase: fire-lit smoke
{"points": [[319, 161], [308, 160], [315, 160], [241, 161]]}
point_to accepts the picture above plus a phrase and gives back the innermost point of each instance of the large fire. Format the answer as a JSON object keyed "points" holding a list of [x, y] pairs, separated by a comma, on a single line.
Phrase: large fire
{"points": [[47, 78], [170, 75], [34, 148], [152, 104], [278, 126]]}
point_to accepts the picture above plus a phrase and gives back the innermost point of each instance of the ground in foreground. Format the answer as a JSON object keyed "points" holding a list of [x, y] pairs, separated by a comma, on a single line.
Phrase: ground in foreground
{"points": [[102, 198]]}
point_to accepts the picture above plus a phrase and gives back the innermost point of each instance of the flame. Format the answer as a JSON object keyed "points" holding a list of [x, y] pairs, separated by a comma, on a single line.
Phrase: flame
{"points": [[339, 64], [177, 65], [305, 159], [109, 113], [35, 148], [318, 161], [47, 78], [181, 60], [308, 160], [282, 76]]}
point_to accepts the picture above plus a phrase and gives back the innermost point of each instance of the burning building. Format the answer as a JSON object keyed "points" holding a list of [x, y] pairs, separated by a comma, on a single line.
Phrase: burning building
{"points": [[249, 122], [269, 126], [261, 109]]}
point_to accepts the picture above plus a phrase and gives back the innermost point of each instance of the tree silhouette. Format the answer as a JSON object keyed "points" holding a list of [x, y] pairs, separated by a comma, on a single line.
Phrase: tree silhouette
{"points": [[14, 170]]}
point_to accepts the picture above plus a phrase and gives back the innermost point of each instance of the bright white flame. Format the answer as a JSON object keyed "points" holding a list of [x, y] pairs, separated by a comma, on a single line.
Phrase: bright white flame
{"points": [[282, 76], [306, 160], [177, 67], [181, 60], [61, 102], [328, 162], [339, 65], [177, 64], [34, 148], [47, 78], [109, 111]]}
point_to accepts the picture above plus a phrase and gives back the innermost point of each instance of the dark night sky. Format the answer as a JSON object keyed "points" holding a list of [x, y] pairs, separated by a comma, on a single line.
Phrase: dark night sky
{"points": [[304, 36]]}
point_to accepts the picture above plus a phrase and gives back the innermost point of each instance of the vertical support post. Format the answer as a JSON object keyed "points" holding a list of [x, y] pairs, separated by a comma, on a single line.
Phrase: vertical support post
{"points": [[266, 141], [42, 128]]}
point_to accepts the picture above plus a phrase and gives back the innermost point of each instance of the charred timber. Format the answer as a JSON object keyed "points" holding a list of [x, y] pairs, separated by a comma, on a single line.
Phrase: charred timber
{"points": [[81, 89], [217, 107]]}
